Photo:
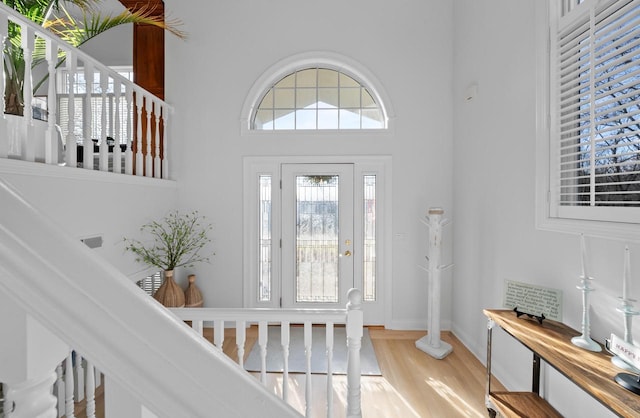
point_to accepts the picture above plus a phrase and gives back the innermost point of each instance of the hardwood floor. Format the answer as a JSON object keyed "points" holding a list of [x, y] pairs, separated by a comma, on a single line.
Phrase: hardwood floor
{"points": [[412, 385]]}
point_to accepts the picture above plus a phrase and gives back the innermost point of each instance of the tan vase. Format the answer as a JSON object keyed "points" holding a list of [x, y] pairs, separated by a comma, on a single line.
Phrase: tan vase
{"points": [[169, 293], [192, 295]]}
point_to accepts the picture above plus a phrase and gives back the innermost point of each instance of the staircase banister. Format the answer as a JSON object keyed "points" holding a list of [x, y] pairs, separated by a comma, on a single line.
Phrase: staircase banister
{"points": [[293, 316], [68, 48], [129, 336]]}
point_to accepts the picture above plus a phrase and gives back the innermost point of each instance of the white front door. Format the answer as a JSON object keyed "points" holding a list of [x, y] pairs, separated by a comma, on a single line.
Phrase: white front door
{"points": [[314, 228], [318, 242]]}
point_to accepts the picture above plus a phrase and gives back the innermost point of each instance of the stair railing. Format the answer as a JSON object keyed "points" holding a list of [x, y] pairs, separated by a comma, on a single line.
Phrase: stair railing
{"points": [[351, 318], [128, 136], [78, 383], [73, 295]]}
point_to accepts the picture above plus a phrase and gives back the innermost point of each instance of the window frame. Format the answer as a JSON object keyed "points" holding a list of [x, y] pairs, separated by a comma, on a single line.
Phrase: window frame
{"points": [[300, 89], [622, 223], [317, 59]]}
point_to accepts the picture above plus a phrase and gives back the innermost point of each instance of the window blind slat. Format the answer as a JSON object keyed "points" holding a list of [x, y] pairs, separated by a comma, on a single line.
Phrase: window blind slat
{"points": [[597, 76]]}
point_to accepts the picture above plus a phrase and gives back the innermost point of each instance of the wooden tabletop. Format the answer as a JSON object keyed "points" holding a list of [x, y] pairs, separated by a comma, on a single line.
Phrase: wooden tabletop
{"points": [[591, 371]]}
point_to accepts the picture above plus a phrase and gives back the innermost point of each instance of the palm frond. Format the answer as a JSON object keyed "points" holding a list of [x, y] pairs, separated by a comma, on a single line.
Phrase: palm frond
{"points": [[91, 24]]}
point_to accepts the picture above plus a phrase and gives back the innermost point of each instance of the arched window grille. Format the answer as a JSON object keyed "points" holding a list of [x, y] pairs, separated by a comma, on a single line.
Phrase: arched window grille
{"points": [[315, 99]]}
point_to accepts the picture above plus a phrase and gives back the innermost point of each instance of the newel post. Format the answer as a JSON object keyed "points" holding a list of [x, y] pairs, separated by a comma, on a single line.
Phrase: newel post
{"points": [[354, 343], [32, 353]]}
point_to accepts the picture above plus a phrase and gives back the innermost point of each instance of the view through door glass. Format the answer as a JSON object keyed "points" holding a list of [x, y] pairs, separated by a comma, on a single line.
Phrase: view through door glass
{"points": [[317, 222]]}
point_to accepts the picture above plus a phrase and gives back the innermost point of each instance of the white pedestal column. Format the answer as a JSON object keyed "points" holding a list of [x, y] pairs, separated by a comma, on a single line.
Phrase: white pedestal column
{"points": [[431, 343]]}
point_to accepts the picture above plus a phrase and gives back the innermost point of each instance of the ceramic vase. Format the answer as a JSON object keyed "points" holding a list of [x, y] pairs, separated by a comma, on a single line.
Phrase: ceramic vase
{"points": [[192, 295]]}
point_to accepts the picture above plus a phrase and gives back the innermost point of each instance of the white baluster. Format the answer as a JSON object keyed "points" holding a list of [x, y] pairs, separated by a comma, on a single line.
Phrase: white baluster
{"points": [[329, 340], [69, 387], [262, 341], [156, 161], [33, 398], [79, 378], [241, 336], [51, 146], [28, 41], [90, 392], [307, 352], [354, 342], [71, 145], [198, 326], [128, 154], [165, 124], [87, 119], [148, 162], [4, 141], [117, 152], [285, 341], [218, 333], [58, 389], [139, 161], [104, 146]]}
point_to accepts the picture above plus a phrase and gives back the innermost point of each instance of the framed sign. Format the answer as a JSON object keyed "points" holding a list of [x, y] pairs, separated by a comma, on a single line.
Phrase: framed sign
{"points": [[534, 300]]}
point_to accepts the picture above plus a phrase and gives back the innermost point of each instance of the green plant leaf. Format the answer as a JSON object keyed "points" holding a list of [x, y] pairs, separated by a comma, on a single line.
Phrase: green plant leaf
{"points": [[174, 241]]}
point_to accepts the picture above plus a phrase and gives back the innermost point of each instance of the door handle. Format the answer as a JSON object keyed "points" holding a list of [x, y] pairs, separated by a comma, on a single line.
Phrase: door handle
{"points": [[347, 253]]}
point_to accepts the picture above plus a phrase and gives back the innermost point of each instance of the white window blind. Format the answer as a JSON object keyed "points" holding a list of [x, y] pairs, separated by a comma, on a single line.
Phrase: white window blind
{"points": [[596, 114]]}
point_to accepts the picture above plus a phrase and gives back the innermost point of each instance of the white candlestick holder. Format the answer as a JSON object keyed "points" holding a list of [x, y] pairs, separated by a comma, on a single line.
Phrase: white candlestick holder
{"points": [[628, 313], [584, 340]]}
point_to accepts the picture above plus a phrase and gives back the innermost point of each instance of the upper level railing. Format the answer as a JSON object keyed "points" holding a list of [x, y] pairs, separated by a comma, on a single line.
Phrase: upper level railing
{"points": [[90, 116]]}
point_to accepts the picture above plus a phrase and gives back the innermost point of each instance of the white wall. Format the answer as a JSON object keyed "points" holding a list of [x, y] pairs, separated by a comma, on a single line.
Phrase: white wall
{"points": [[406, 45], [495, 237], [89, 204], [115, 46]]}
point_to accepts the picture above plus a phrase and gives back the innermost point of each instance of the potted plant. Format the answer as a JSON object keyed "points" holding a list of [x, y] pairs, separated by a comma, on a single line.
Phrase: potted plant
{"points": [[175, 241]]}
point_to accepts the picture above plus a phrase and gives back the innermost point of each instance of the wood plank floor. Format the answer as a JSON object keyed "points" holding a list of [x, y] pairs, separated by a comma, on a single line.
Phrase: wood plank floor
{"points": [[412, 385]]}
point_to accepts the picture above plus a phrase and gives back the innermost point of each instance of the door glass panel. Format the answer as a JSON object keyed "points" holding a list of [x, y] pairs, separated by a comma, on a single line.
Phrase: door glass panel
{"points": [[317, 238], [264, 294], [369, 268]]}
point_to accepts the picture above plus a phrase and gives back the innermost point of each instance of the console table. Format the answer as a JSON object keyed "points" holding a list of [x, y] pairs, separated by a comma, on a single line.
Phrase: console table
{"points": [[551, 342]]}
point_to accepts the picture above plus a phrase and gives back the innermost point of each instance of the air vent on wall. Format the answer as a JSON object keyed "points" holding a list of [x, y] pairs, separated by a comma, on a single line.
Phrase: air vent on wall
{"points": [[93, 242]]}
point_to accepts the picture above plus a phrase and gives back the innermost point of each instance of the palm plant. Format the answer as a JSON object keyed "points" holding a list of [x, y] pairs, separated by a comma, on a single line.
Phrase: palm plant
{"points": [[76, 22]]}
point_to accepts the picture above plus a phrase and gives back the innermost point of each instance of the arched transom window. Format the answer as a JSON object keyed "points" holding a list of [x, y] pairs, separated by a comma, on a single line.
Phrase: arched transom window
{"points": [[318, 98]]}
